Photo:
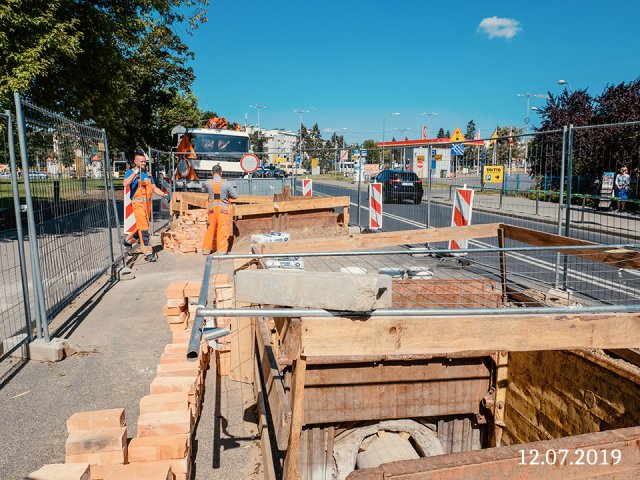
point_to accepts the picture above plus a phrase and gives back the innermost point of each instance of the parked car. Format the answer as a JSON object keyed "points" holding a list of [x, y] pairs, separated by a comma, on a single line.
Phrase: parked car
{"points": [[5, 175], [37, 175], [399, 185]]}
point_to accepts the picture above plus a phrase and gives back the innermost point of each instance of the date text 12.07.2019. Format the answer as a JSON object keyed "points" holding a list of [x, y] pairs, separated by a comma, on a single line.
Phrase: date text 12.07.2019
{"points": [[563, 456]]}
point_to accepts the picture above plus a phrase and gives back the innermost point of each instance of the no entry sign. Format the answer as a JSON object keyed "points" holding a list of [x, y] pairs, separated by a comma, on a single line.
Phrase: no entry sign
{"points": [[249, 162]]}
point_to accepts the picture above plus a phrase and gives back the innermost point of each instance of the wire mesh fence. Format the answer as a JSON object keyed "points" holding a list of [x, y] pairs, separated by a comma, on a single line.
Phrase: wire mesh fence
{"points": [[15, 312], [67, 178], [162, 166]]}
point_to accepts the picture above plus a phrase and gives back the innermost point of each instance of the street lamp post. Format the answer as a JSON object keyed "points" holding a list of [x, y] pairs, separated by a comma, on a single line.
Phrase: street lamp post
{"points": [[429, 115], [259, 107], [527, 120], [394, 114], [404, 160], [565, 82], [295, 166]]}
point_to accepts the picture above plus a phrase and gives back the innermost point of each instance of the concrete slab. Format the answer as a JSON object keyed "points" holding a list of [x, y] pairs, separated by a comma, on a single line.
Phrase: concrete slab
{"points": [[329, 290], [43, 351]]}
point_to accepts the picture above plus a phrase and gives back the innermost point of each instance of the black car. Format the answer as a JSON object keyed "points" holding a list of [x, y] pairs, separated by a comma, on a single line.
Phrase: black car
{"points": [[399, 185]]}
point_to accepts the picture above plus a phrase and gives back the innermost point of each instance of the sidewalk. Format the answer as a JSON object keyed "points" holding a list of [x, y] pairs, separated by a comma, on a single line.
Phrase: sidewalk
{"points": [[121, 332]]}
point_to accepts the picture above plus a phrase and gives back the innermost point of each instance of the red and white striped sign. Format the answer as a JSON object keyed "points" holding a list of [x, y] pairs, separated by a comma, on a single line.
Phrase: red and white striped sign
{"points": [[166, 188], [129, 217], [307, 187], [375, 206], [461, 214]]}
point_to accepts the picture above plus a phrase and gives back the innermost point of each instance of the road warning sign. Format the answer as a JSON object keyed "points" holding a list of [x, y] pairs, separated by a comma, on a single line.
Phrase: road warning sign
{"points": [[493, 174], [457, 136]]}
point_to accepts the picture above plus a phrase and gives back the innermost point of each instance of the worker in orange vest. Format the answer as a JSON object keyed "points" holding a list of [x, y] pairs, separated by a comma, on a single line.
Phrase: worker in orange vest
{"points": [[219, 220], [142, 189]]}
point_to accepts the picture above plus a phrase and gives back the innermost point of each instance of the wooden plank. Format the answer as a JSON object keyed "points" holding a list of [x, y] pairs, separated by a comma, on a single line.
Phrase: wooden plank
{"points": [[384, 239], [278, 401], [268, 466], [328, 462], [289, 206], [619, 258], [290, 462], [515, 332], [253, 199], [506, 463], [200, 200], [241, 338], [503, 264]]}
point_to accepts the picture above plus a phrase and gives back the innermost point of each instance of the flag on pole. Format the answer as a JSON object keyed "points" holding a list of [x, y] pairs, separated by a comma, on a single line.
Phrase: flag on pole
{"points": [[477, 136], [424, 132], [510, 137]]}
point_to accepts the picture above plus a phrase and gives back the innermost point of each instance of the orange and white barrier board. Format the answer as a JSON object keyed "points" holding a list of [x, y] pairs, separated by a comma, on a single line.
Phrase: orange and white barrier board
{"points": [[129, 218], [166, 188], [307, 187], [375, 206], [461, 214]]}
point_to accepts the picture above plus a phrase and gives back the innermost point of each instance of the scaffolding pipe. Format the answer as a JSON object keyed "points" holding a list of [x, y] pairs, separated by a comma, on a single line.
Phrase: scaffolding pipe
{"points": [[409, 312], [196, 329]]}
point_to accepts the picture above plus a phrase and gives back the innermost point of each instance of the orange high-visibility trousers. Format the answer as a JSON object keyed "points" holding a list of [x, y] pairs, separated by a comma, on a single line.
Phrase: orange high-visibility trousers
{"points": [[142, 212], [219, 229]]}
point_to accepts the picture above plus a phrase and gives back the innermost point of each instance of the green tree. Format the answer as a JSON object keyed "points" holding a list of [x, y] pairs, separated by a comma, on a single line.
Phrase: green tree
{"points": [[441, 133], [447, 135], [373, 152], [471, 130]]}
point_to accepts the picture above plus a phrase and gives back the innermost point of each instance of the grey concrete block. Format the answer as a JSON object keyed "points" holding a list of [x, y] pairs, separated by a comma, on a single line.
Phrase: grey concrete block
{"points": [[43, 351], [328, 290]]}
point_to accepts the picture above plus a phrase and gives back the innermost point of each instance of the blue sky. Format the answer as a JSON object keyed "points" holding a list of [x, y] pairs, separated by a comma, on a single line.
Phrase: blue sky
{"points": [[353, 62]]}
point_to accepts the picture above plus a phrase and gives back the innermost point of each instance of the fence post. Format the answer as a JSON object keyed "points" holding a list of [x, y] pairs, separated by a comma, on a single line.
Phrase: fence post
{"points": [[152, 229], [359, 183], [560, 200], [107, 160], [428, 162], [106, 169], [42, 323], [567, 223], [16, 207]]}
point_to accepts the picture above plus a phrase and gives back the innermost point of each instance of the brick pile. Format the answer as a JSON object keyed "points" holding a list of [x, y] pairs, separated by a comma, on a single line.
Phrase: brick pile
{"points": [[186, 232], [97, 444]]}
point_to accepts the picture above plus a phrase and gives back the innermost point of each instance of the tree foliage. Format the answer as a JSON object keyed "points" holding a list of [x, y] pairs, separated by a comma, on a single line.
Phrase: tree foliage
{"points": [[594, 150], [118, 64]]}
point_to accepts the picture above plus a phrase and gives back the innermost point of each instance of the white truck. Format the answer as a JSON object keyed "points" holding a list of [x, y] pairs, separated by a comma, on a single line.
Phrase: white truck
{"points": [[211, 146]]}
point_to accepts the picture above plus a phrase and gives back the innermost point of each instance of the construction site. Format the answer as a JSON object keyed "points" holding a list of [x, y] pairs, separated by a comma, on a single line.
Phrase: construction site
{"points": [[316, 349]]}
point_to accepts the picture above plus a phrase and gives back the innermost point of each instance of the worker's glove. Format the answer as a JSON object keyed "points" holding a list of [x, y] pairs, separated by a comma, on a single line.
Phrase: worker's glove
{"points": [[167, 197]]}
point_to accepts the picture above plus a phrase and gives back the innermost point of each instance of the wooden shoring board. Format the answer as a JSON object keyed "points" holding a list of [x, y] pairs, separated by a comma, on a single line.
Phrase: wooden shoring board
{"points": [[253, 199], [268, 464], [241, 339], [289, 206], [438, 334], [291, 471], [384, 239], [621, 259], [506, 463], [274, 390]]}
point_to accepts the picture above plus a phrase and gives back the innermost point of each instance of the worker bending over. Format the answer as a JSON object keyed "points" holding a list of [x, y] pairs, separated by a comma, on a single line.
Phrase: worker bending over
{"points": [[142, 189], [219, 220]]}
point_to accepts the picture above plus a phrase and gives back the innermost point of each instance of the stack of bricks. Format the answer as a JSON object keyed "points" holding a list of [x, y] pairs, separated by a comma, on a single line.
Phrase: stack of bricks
{"points": [[186, 232], [224, 296], [97, 438], [176, 310]]}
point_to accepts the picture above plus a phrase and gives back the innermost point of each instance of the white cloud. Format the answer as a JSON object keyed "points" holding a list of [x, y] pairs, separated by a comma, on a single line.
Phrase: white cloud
{"points": [[500, 27]]}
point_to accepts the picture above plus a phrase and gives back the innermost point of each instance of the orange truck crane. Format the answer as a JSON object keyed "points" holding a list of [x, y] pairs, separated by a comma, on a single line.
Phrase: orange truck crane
{"points": [[199, 149]]}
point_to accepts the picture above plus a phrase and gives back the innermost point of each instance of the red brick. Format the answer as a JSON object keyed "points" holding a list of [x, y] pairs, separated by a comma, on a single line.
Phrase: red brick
{"points": [[174, 309], [178, 327], [181, 336], [173, 384], [219, 279], [164, 423], [193, 289], [62, 471], [225, 293], [160, 447], [164, 402], [94, 441], [100, 458], [96, 420], [183, 369], [223, 360], [176, 347], [134, 471], [176, 290]]}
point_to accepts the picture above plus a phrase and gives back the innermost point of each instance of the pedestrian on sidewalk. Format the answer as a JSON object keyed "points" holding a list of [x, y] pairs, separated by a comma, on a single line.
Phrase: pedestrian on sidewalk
{"points": [[219, 220], [622, 188], [142, 189]]}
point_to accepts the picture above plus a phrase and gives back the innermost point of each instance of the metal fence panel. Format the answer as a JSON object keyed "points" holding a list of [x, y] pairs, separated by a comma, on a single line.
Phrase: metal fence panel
{"points": [[262, 186], [15, 313], [162, 168], [70, 187]]}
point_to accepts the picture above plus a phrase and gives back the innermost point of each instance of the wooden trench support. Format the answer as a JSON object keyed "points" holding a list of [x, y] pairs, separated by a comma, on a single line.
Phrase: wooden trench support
{"points": [[305, 355]]}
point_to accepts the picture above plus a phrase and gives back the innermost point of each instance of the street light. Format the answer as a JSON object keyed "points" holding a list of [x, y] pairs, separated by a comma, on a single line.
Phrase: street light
{"points": [[258, 107], [429, 115], [394, 114], [402, 130], [527, 120], [300, 112], [565, 82]]}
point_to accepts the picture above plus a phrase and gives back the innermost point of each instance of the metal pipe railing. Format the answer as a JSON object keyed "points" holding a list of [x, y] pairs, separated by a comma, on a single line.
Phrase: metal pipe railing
{"points": [[411, 312], [196, 329]]}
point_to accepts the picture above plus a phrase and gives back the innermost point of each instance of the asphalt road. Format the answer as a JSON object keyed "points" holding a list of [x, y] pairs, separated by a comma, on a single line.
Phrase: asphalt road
{"points": [[595, 282]]}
